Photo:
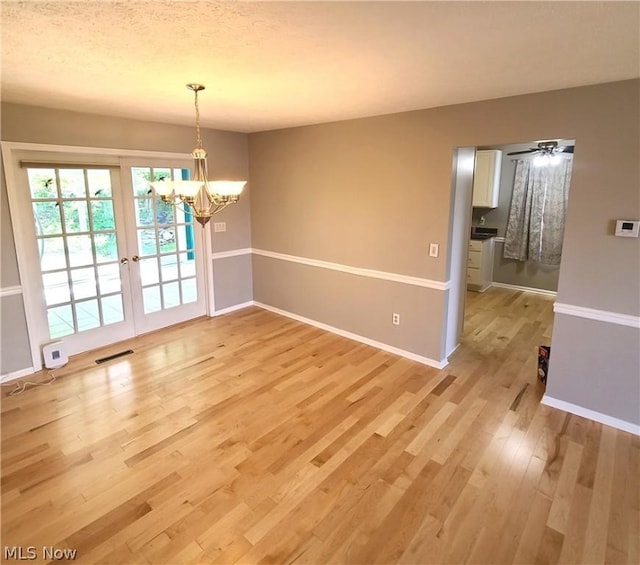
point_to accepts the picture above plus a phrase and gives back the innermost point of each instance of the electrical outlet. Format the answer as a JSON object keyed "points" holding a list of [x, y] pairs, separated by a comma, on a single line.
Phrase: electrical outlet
{"points": [[434, 249], [395, 319]]}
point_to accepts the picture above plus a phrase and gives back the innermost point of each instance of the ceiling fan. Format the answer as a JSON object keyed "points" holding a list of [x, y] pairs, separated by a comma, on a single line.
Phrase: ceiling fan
{"points": [[546, 148]]}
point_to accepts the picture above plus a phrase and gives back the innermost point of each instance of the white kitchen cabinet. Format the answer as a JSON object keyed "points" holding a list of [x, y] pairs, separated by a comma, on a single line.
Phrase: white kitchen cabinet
{"points": [[480, 264], [486, 178]]}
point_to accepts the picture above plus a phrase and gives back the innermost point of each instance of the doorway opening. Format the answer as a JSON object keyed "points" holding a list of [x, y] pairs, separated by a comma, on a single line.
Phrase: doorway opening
{"points": [[507, 226]]}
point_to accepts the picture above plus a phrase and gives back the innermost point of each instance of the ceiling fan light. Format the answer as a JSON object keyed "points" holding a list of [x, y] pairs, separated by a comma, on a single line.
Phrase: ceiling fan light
{"points": [[541, 160], [548, 146]]}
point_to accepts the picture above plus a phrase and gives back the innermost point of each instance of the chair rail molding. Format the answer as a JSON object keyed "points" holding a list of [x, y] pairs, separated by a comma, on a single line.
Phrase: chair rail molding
{"points": [[598, 315], [10, 290], [359, 271], [231, 253]]}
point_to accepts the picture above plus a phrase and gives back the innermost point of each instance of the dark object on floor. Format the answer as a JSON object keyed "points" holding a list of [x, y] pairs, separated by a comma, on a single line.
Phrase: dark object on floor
{"points": [[114, 356], [544, 352]]}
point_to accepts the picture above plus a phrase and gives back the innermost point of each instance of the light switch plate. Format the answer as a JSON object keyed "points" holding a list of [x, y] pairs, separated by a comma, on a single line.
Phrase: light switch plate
{"points": [[219, 226], [433, 249]]}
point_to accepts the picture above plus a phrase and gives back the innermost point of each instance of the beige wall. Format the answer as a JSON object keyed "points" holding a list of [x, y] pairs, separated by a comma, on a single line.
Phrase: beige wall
{"points": [[594, 365], [353, 192], [14, 339], [228, 158], [374, 192], [9, 275], [232, 281]]}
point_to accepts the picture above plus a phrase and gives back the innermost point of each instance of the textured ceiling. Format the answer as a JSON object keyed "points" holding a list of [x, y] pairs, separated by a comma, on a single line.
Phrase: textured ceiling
{"points": [[269, 65]]}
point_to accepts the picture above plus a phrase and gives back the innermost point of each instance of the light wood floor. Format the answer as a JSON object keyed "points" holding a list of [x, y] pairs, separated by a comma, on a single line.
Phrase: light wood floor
{"points": [[252, 438]]}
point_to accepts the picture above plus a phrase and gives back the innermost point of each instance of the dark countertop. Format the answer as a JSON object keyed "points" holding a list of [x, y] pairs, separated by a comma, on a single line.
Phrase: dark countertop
{"points": [[479, 233]]}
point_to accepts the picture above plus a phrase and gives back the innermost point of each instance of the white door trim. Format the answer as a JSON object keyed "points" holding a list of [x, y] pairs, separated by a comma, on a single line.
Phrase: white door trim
{"points": [[207, 257], [12, 146]]}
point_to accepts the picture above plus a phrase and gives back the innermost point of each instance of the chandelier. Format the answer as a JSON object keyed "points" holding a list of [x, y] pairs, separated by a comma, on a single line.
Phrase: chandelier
{"points": [[204, 197]]}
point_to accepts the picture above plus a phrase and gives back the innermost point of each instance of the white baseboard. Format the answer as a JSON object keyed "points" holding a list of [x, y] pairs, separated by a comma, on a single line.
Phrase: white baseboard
{"points": [[591, 415], [525, 289], [452, 351], [356, 337], [233, 308], [16, 375]]}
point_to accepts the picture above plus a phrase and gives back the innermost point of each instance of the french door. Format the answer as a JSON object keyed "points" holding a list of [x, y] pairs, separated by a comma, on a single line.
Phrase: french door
{"points": [[74, 267], [165, 243], [106, 259]]}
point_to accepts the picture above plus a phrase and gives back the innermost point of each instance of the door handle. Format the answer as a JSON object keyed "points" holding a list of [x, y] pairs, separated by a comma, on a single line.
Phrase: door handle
{"points": [[135, 258], [124, 260]]}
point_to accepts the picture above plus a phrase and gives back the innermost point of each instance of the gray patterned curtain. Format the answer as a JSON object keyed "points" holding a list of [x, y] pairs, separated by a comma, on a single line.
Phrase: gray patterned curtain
{"points": [[535, 227]]}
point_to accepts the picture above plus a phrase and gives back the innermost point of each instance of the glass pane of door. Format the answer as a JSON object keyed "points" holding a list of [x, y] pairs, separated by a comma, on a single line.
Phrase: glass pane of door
{"points": [[75, 233], [165, 241]]}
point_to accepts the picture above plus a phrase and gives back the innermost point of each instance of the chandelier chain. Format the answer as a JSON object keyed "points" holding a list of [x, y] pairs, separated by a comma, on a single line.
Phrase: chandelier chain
{"points": [[198, 138]]}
